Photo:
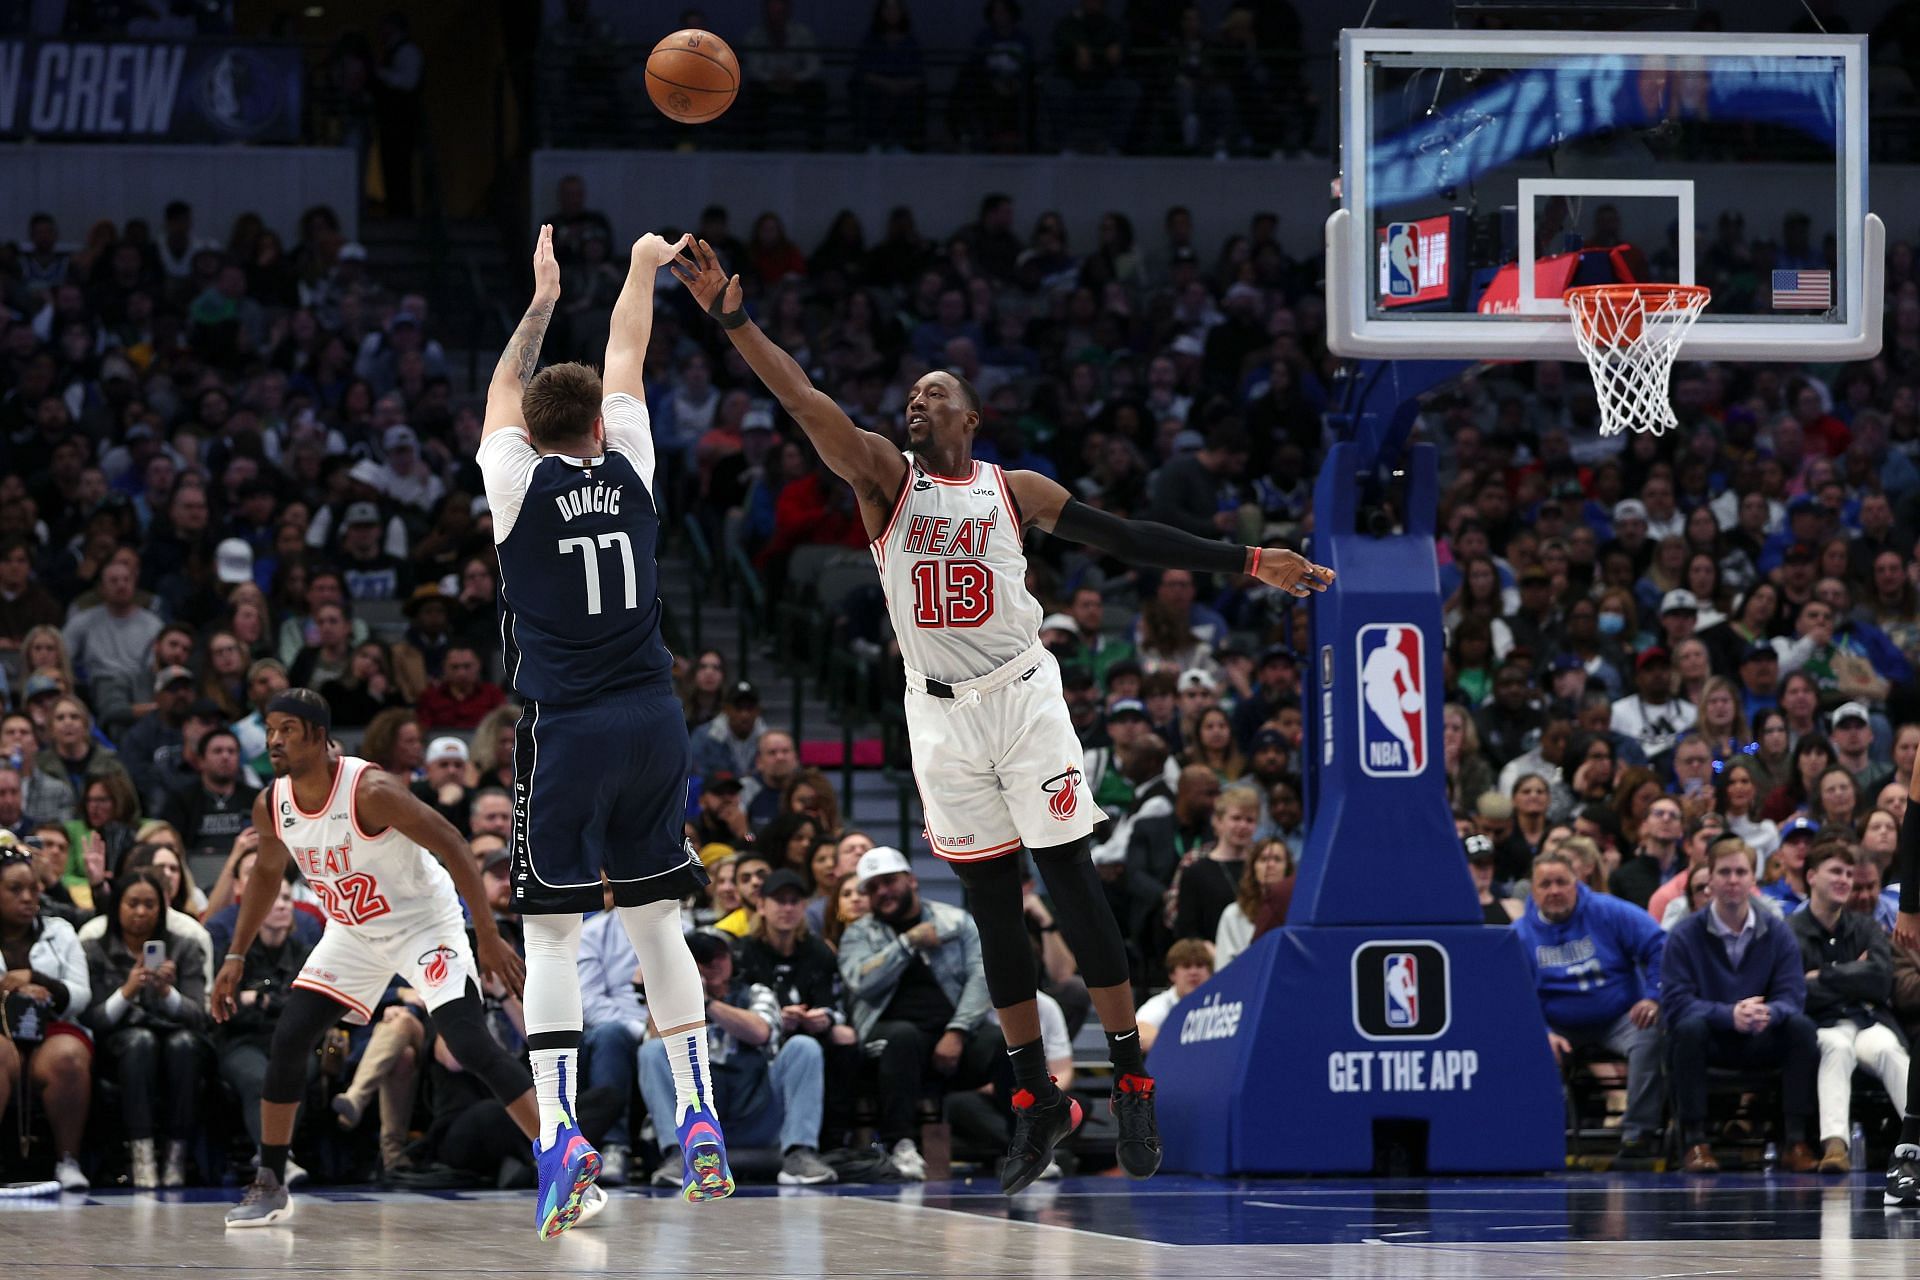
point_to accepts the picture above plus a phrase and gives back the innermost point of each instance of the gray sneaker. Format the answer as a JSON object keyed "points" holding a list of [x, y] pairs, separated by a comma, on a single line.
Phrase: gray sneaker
{"points": [[669, 1172], [265, 1203], [803, 1167], [614, 1160]]}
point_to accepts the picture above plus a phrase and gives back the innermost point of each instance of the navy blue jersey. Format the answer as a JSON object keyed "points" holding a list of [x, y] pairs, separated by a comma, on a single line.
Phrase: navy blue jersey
{"points": [[577, 537]]}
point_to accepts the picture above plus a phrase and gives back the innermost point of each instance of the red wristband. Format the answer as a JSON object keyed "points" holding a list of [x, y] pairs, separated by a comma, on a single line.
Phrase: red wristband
{"points": [[1253, 562]]}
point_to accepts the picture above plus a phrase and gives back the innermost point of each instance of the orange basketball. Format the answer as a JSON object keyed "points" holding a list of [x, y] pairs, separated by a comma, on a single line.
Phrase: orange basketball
{"points": [[692, 76]]}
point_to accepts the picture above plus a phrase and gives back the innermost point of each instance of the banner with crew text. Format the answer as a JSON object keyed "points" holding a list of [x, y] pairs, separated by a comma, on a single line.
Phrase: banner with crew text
{"points": [[130, 90]]}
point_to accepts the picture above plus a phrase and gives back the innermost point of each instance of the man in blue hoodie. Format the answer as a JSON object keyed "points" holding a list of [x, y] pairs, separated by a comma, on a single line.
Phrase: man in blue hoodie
{"points": [[1734, 994], [1596, 965]]}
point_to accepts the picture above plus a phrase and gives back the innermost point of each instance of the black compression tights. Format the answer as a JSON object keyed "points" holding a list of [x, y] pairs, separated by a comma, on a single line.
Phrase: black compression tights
{"points": [[1079, 906]]}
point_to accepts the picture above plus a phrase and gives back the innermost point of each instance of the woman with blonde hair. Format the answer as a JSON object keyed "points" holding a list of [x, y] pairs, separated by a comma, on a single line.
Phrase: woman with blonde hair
{"points": [[1589, 868], [492, 747], [1723, 721], [44, 647], [1469, 775], [1268, 875]]}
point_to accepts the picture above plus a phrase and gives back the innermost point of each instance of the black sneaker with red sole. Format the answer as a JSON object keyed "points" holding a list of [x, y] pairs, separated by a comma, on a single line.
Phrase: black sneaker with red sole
{"points": [[1138, 1146], [1038, 1127]]}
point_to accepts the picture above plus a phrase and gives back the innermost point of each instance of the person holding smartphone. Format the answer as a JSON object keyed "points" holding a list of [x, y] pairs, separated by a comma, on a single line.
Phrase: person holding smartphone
{"points": [[148, 1017]]}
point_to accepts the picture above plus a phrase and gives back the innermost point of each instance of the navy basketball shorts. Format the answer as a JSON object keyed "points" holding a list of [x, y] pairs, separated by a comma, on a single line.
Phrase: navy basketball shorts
{"points": [[600, 788]]}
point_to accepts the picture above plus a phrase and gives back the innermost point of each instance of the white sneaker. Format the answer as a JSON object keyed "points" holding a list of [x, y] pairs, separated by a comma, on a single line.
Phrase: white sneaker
{"points": [[614, 1160], [145, 1169], [592, 1201], [1052, 1173], [908, 1162], [174, 1173], [295, 1174], [67, 1174]]}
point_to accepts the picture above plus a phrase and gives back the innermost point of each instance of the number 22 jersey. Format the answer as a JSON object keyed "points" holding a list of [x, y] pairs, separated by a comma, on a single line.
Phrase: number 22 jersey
{"points": [[954, 570], [382, 884], [577, 538]]}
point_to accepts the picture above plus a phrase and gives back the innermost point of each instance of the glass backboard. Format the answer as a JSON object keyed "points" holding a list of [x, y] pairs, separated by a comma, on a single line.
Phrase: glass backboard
{"points": [[1485, 173]]}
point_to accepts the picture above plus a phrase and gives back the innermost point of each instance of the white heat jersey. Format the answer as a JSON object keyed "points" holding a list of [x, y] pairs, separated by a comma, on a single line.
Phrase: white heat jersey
{"points": [[955, 574], [382, 884]]}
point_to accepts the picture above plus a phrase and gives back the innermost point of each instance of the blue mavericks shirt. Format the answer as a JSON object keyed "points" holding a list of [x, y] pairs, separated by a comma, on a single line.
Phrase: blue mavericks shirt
{"points": [[577, 538]]}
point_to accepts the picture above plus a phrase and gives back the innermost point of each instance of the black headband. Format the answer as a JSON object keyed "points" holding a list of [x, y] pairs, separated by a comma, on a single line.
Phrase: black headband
{"points": [[290, 705]]}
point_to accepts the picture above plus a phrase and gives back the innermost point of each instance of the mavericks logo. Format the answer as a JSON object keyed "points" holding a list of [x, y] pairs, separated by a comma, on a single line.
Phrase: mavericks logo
{"points": [[1215, 1019], [1059, 789], [437, 965]]}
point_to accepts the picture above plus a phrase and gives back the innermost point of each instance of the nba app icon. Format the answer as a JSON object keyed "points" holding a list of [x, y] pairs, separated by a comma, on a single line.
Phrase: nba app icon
{"points": [[1403, 260], [1400, 990], [1401, 979], [1393, 700]]}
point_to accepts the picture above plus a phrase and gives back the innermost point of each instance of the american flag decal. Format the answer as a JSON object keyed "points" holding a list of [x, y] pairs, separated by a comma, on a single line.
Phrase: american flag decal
{"points": [[1802, 290]]}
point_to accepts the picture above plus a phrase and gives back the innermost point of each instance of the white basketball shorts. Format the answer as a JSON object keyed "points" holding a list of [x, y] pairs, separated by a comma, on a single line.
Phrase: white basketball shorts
{"points": [[434, 958], [998, 764]]}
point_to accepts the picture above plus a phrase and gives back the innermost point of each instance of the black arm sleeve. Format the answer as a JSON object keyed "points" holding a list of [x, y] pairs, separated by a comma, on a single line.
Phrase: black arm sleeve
{"points": [[1906, 859], [1145, 542]]}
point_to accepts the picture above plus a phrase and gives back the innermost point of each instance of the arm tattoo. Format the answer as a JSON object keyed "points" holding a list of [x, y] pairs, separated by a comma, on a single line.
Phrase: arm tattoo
{"points": [[523, 348]]}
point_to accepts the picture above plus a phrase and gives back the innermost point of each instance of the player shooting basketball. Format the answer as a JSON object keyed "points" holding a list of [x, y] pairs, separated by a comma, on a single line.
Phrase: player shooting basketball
{"points": [[994, 751]]}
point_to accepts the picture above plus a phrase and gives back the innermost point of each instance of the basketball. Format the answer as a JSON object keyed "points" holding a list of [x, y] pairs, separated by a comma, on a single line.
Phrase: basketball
{"points": [[692, 76]]}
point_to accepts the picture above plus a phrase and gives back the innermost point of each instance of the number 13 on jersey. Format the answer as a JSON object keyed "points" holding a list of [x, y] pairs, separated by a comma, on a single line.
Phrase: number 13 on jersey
{"points": [[951, 593]]}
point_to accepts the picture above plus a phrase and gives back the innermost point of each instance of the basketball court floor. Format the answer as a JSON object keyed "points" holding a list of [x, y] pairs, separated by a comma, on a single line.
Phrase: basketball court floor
{"points": [[1623, 1228]]}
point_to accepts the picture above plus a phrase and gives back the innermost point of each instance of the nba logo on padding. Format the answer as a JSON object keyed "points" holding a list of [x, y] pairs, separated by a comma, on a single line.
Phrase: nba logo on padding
{"points": [[1400, 990], [1393, 700]]}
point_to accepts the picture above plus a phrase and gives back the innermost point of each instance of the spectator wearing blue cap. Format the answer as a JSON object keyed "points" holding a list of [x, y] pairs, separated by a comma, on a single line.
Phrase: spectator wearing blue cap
{"points": [[1786, 878]]}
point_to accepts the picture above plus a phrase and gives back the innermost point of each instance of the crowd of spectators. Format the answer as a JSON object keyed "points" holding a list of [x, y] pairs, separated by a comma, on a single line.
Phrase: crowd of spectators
{"points": [[1085, 75], [233, 467]]}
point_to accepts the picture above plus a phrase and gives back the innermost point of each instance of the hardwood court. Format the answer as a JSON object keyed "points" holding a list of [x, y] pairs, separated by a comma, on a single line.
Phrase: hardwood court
{"points": [[1622, 1228]]}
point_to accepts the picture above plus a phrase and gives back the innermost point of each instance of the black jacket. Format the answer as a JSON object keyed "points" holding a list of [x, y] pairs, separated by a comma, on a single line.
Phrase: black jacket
{"points": [[810, 976], [1848, 988]]}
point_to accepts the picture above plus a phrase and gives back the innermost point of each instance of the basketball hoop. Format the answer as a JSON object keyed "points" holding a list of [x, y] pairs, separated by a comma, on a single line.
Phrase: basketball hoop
{"points": [[1630, 334]]}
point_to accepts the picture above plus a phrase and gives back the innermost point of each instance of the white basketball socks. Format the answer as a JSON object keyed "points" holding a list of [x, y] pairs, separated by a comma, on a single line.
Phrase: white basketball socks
{"points": [[552, 1004], [674, 999]]}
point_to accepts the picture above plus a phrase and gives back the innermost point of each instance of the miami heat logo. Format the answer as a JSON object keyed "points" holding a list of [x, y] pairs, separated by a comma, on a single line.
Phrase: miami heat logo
{"points": [[1060, 793], [436, 966]]}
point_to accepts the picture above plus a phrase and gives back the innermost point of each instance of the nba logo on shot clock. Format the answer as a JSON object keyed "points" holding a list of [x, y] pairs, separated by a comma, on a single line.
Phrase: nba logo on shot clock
{"points": [[1393, 700], [1400, 980]]}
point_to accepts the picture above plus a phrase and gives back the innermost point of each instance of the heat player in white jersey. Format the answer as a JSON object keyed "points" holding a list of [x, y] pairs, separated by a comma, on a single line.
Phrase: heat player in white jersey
{"points": [[362, 840], [994, 751]]}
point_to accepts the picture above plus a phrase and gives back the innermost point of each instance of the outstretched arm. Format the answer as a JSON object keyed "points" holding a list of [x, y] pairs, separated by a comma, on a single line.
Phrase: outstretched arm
{"points": [[864, 459], [384, 802], [632, 325], [522, 356], [1047, 506]]}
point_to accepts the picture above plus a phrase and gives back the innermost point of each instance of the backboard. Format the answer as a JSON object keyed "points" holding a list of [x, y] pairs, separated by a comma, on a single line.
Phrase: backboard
{"points": [[1485, 173]]}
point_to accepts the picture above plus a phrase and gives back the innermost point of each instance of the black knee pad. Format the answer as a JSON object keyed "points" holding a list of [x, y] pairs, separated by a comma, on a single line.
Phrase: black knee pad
{"points": [[303, 1022], [462, 1023], [1080, 908], [1006, 948]]}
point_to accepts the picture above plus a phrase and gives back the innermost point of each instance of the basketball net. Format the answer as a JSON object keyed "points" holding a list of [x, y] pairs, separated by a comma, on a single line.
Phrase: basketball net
{"points": [[1630, 334]]}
